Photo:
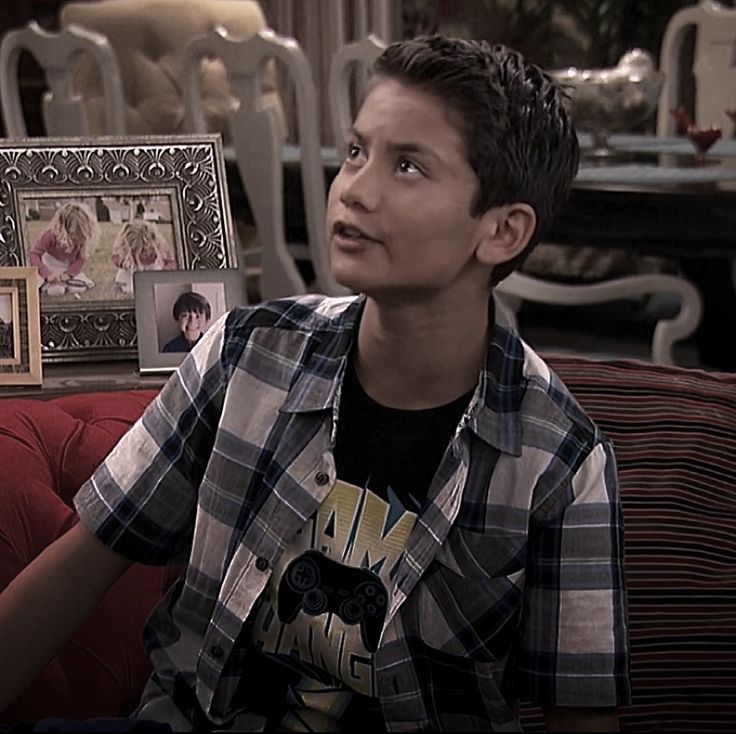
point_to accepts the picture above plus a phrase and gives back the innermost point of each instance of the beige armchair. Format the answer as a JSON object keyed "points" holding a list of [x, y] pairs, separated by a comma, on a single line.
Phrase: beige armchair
{"points": [[149, 38]]}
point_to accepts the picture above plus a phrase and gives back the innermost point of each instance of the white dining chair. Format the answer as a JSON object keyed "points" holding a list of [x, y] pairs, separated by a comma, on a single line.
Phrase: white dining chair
{"points": [[63, 111], [258, 139], [714, 66], [668, 329]]}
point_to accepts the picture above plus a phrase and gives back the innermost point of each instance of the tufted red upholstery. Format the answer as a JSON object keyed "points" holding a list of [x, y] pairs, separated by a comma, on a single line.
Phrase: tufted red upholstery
{"points": [[47, 449]]}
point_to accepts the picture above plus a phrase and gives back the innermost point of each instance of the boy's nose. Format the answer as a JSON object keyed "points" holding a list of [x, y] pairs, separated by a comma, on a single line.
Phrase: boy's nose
{"points": [[361, 188]]}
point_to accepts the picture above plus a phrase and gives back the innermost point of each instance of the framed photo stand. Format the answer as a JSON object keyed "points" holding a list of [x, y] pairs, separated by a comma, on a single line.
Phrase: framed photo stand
{"points": [[87, 214]]}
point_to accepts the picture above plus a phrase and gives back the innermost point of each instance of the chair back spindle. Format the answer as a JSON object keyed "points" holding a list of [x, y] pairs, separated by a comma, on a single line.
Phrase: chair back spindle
{"points": [[259, 143], [63, 110]]}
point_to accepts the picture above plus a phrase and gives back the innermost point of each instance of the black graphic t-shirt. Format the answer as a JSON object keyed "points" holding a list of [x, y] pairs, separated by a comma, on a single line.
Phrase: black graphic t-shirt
{"points": [[381, 448], [320, 618]]}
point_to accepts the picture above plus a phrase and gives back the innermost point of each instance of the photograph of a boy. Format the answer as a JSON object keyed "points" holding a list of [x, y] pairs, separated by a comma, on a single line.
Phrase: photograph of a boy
{"points": [[192, 313], [139, 246], [61, 251]]}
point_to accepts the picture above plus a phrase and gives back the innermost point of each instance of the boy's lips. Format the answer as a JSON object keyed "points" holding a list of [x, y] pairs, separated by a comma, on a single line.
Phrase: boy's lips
{"points": [[347, 231]]}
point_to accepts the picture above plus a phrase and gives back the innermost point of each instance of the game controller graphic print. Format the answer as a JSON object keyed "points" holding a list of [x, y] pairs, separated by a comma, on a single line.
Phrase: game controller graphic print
{"points": [[315, 584]]}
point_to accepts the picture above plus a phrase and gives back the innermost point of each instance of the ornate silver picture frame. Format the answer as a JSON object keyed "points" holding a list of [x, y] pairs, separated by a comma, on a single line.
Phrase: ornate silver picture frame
{"points": [[88, 213]]}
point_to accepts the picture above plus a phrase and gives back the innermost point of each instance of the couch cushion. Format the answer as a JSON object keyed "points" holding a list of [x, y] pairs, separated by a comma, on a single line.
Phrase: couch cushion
{"points": [[674, 433], [47, 449]]}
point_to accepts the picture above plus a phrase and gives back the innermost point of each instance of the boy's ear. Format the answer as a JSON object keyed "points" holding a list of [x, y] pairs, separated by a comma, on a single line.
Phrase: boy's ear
{"points": [[504, 231]]}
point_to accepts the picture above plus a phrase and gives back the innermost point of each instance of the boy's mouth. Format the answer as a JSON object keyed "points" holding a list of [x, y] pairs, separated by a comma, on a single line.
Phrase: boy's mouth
{"points": [[351, 232]]}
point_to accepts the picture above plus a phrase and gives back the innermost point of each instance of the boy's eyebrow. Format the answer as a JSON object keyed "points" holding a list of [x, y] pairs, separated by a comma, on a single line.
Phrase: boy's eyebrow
{"points": [[411, 148]]}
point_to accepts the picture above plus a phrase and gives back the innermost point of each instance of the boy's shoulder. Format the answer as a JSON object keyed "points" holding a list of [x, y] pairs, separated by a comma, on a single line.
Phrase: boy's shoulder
{"points": [[304, 313], [554, 404]]}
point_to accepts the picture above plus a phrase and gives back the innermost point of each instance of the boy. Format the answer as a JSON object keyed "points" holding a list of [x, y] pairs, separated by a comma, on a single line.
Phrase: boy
{"points": [[192, 313], [394, 515]]}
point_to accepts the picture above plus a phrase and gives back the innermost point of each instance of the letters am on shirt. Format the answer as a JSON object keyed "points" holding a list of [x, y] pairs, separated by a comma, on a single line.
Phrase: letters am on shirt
{"points": [[88, 214]]}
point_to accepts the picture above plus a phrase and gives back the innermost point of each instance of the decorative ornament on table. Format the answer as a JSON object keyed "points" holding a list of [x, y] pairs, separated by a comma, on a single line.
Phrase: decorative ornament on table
{"points": [[702, 138], [603, 101]]}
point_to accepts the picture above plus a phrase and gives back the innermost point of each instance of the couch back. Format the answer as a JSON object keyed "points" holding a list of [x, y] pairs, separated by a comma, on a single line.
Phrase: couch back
{"points": [[674, 431]]}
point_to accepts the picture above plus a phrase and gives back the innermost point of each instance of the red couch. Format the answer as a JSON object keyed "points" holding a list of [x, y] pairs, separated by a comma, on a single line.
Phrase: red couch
{"points": [[675, 436], [47, 449]]}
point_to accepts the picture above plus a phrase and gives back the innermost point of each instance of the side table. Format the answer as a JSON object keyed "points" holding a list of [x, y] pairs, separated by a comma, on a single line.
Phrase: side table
{"points": [[65, 379]]}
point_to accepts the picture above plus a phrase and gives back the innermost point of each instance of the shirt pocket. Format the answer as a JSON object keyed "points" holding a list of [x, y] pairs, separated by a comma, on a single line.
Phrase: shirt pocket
{"points": [[470, 599]]}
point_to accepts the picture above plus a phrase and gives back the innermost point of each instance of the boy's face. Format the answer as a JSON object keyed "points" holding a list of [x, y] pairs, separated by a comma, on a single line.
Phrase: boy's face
{"points": [[399, 209], [191, 324]]}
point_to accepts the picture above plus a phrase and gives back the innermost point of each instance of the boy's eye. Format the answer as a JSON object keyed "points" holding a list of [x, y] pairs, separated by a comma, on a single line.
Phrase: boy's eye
{"points": [[354, 152], [408, 166]]}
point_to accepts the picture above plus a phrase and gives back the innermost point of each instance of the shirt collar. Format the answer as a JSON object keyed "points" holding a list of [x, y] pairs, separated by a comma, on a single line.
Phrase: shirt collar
{"points": [[493, 413], [317, 386], [494, 410]]}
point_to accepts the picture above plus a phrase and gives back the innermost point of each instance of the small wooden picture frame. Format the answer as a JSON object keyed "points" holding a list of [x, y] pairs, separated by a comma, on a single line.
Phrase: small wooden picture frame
{"points": [[20, 330]]}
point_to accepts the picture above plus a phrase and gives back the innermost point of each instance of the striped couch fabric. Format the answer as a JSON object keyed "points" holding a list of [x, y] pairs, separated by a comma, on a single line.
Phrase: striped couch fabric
{"points": [[674, 431]]}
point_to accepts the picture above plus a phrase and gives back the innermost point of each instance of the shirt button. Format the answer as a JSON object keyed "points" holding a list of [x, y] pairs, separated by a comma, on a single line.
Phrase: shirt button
{"points": [[321, 478], [216, 651], [262, 563]]}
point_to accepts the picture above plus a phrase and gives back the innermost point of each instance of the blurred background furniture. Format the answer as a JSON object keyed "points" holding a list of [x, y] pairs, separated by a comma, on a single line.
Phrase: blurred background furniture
{"points": [[674, 434], [658, 203], [323, 27], [149, 38], [63, 106], [714, 66], [669, 329]]}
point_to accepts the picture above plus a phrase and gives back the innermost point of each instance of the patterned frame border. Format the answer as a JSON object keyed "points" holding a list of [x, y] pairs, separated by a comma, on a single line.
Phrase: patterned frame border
{"points": [[190, 167], [23, 367]]}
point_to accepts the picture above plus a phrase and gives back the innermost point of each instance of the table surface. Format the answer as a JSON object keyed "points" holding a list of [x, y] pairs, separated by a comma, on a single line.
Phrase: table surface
{"points": [[65, 379], [654, 198], [660, 165]]}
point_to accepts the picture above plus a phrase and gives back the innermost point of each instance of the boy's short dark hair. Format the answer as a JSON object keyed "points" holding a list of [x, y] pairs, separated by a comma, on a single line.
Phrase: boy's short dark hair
{"points": [[191, 301], [520, 140]]}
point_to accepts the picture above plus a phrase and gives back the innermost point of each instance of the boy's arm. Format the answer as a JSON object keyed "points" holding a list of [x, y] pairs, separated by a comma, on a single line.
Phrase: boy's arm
{"points": [[573, 654], [47, 601]]}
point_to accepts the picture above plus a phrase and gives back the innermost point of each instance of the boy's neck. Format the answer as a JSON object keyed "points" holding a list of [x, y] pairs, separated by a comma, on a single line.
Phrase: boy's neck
{"points": [[411, 358]]}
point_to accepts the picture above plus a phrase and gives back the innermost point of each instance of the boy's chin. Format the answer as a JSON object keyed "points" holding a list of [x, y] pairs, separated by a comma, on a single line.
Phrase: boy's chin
{"points": [[352, 278]]}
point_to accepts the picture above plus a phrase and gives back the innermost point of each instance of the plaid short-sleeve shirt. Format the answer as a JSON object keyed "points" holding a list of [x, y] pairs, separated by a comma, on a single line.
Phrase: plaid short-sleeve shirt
{"points": [[511, 584]]}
